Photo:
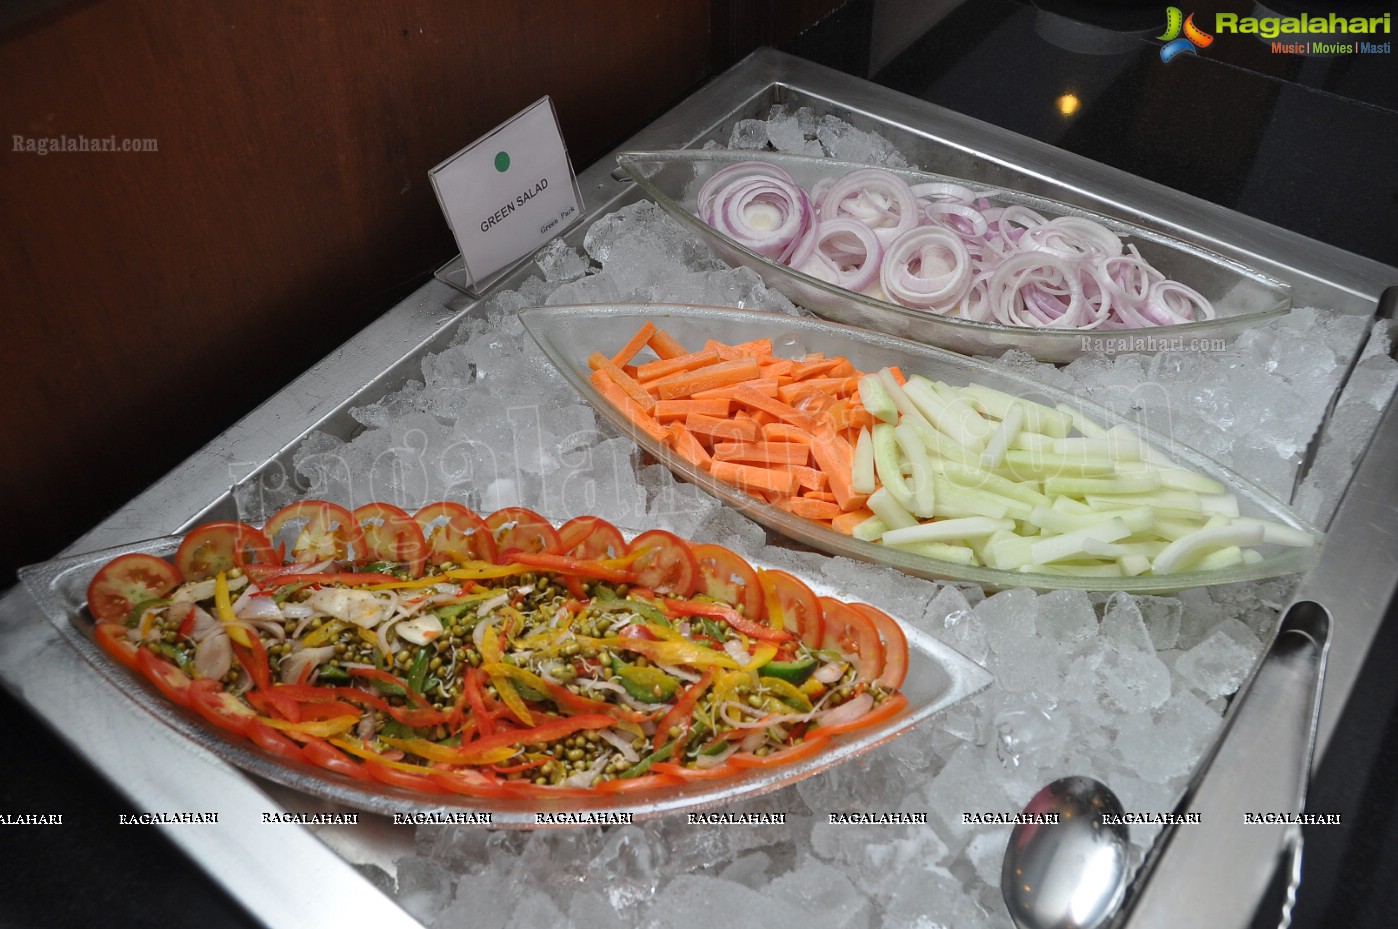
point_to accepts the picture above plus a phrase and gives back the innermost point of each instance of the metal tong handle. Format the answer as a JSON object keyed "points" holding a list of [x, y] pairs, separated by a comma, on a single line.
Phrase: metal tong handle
{"points": [[1215, 872]]}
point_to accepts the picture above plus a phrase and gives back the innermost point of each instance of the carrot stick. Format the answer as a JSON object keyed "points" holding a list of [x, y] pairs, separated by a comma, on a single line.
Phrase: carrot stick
{"points": [[813, 509], [825, 495], [687, 446], [600, 363], [754, 478], [777, 367], [811, 368], [836, 458], [845, 522], [723, 374], [628, 407], [780, 410], [653, 370], [665, 345], [669, 410], [767, 386], [785, 432], [715, 428], [765, 453], [757, 348], [809, 478], [638, 341]]}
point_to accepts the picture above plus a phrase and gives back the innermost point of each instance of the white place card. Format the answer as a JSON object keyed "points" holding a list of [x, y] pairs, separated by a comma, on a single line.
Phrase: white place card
{"points": [[507, 193]]}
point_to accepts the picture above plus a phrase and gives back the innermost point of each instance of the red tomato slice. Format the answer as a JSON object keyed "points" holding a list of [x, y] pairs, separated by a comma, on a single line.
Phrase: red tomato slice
{"points": [[517, 528], [322, 754], [664, 563], [895, 646], [215, 547], [392, 535], [112, 638], [172, 682], [328, 530], [274, 743], [792, 606], [849, 631], [455, 533], [128, 580], [728, 578], [591, 538], [219, 707]]}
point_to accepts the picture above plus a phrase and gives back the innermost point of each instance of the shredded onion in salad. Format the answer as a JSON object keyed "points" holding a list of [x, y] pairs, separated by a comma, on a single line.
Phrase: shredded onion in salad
{"points": [[943, 248]]}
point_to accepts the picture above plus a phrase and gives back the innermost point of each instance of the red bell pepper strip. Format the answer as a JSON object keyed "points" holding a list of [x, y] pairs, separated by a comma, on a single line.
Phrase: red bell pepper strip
{"points": [[682, 713], [253, 658], [549, 731], [578, 567], [732, 617]]}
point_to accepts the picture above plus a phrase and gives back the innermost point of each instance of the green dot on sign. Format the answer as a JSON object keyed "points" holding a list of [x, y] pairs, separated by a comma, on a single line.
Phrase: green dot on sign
{"points": [[502, 162]]}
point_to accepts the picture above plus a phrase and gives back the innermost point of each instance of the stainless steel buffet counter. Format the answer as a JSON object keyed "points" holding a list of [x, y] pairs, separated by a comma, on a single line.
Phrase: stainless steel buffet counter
{"points": [[158, 770]]}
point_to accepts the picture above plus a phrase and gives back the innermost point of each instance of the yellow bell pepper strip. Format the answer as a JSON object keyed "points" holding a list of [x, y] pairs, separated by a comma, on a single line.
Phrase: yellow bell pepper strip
{"points": [[500, 674], [787, 693], [672, 653], [320, 728], [223, 604]]}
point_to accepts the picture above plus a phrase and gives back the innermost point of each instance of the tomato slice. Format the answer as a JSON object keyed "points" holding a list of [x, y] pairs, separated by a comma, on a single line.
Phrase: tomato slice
{"points": [[514, 527], [728, 578], [895, 646], [391, 534], [664, 562], [112, 638], [219, 707], [591, 538], [455, 533], [128, 580], [849, 631], [793, 606], [328, 531], [219, 546], [172, 682]]}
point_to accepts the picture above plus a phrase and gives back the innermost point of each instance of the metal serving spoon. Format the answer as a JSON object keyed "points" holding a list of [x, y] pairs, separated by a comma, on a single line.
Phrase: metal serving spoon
{"points": [[1068, 874]]}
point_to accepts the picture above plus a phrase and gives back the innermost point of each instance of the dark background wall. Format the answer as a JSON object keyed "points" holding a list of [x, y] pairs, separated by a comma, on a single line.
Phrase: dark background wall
{"points": [[151, 298]]}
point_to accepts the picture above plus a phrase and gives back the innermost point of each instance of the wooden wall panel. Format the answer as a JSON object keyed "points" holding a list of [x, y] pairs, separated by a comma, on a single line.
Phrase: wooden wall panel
{"points": [[150, 299]]}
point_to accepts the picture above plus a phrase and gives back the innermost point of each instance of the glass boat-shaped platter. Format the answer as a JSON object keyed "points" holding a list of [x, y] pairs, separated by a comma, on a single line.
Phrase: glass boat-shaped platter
{"points": [[568, 334], [937, 678], [1242, 296]]}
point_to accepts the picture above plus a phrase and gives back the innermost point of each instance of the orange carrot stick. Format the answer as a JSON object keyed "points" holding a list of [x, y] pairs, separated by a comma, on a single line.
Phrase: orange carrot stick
{"points": [[754, 478], [638, 341], [628, 407], [654, 370], [712, 428], [600, 363], [723, 374], [669, 410], [845, 522], [687, 446], [780, 410], [767, 386], [813, 509], [764, 453], [665, 345], [836, 458], [785, 432]]}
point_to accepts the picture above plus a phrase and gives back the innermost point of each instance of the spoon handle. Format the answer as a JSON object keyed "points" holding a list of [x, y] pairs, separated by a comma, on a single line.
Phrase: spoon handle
{"points": [[1213, 873]]}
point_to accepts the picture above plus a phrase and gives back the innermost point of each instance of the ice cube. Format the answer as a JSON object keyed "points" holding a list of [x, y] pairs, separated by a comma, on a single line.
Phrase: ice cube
{"points": [[1167, 743], [1216, 666], [535, 910], [1008, 616], [1123, 625], [826, 893], [1133, 680], [560, 262], [424, 887], [1065, 616], [1161, 616], [748, 134]]}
